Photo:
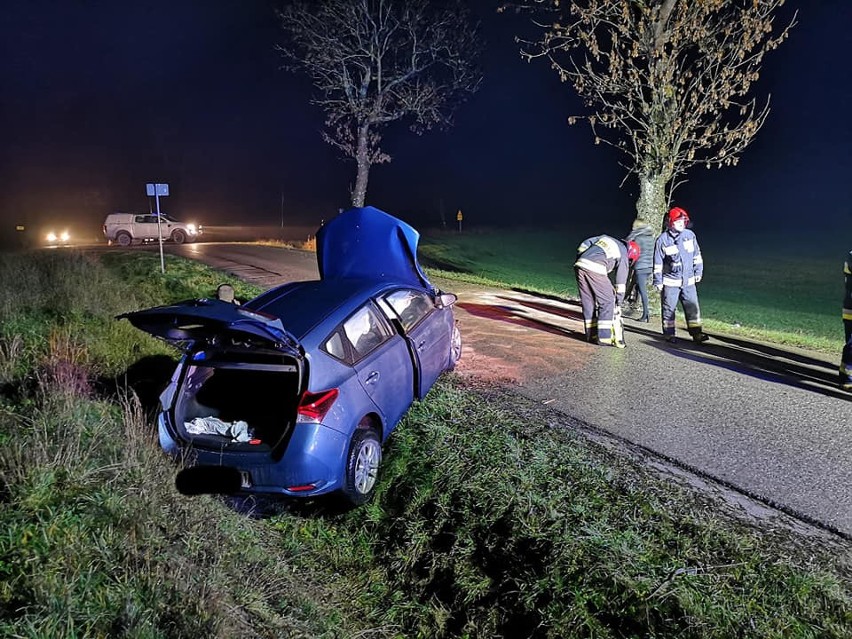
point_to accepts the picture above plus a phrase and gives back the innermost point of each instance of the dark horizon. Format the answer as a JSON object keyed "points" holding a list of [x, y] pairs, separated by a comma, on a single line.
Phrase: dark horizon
{"points": [[192, 95]]}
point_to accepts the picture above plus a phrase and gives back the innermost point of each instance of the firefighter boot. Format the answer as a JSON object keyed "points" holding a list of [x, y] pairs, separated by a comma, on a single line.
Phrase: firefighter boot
{"points": [[698, 336]]}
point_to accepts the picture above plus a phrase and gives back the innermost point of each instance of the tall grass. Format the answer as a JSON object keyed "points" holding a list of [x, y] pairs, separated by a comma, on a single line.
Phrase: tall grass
{"points": [[94, 541], [495, 519]]}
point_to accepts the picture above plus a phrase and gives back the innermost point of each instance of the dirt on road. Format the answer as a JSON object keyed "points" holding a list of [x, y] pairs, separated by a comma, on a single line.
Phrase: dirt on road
{"points": [[514, 337]]}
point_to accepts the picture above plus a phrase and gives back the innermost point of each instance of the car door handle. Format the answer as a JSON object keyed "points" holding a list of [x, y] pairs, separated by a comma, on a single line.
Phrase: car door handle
{"points": [[372, 378]]}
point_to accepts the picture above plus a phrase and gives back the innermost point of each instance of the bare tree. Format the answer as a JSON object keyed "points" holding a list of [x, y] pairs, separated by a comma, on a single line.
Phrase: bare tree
{"points": [[374, 62], [668, 82]]}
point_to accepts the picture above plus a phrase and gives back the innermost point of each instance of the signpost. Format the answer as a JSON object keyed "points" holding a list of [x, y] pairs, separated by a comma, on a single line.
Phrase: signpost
{"points": [[157, 190], [459, 218]]}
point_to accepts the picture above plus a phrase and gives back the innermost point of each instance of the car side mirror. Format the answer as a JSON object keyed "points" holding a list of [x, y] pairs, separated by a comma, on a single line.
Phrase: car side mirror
{"points": [[446, 299]]}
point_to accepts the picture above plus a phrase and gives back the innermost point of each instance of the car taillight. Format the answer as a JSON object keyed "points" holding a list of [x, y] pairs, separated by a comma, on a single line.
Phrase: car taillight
{"points": [[314, 406], [301, 489]]}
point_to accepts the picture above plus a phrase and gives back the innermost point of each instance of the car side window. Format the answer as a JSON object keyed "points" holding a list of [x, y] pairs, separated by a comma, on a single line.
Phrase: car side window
{"points": [[140, 219], [410, 306], [334, 346], [365, 330]]}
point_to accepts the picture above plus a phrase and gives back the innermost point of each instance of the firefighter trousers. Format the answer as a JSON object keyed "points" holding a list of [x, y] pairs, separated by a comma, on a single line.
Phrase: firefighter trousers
{"points": [[688, 297], [846, 358], [598, 301]]}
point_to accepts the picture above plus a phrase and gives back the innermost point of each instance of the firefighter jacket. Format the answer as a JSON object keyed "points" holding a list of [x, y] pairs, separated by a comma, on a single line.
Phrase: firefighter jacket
{"points": [[602, 254], [677, 259], [847, 299]]}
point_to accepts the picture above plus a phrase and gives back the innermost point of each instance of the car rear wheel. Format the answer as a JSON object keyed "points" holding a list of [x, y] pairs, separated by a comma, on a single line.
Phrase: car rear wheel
{"points": [[124, 239], [178, 237], [455, 347], [362, 465]]}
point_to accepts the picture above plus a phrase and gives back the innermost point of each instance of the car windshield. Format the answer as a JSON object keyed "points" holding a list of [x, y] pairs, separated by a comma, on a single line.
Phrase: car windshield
{"points": [[168, 218]]}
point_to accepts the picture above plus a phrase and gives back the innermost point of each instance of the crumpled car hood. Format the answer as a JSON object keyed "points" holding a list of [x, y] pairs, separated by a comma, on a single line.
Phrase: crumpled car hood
{"points": [[370, 244]]}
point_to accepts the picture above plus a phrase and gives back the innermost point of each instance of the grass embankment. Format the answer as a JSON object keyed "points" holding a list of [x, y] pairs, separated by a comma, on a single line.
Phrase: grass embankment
{"points": [[793, 300], [492, 517]]}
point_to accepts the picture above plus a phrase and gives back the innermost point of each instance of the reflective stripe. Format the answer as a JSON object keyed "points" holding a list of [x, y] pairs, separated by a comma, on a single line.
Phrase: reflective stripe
{"points": [[658, 268], [690, 281], [620, 288], [671, 281], [847, 313], [668, 323], [697, 260], [589, 265], [846, 268], [604, 325], [670, 250], [610, 247], [696, 323]]}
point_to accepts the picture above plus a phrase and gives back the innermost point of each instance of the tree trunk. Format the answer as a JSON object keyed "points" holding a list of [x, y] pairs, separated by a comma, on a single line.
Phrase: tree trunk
{"points": [[651, 205], [362, 159]]}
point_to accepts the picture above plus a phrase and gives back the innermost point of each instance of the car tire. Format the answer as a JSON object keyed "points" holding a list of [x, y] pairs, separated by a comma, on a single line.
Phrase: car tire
{"points": [[455, 347], [178, 237], [362, 465], [123, 238]]}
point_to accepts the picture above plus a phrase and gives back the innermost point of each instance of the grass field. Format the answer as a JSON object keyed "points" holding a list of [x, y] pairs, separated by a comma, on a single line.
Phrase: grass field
{"points": [[493, 516], [789, 298]]}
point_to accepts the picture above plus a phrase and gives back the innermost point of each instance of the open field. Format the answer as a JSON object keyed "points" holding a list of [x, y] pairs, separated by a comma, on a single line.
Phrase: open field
{"points": [[493, 517], [791, 298]]}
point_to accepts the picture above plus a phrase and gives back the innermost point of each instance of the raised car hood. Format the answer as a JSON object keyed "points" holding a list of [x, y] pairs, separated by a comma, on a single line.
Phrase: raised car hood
{"points": [[368, 243], [196, 320]]}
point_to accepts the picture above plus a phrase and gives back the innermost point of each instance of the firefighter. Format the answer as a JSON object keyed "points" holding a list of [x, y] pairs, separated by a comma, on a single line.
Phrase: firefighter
{"points": [[846, 358], [678, 267], [597, 257]]}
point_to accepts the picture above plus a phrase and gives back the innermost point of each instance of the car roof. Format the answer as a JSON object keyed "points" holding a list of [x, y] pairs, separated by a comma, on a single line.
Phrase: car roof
{"points": [[321, 304]]}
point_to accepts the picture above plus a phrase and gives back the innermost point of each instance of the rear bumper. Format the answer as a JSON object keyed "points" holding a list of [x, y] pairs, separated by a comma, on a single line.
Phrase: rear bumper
{"points": [[313, 461]]}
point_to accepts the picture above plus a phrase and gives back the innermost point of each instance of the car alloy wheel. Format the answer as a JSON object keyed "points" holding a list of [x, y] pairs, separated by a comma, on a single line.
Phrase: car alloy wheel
{"points": [[362, 465], [178, 237], [455, 347], [124, 239]]}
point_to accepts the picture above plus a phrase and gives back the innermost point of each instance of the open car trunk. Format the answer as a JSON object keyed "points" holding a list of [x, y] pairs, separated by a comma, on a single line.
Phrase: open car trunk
{"points": [[244, 401]]}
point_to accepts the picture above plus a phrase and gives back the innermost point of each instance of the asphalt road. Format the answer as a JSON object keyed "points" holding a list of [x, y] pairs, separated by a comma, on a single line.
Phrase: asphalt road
{"points": [[764, 420]]}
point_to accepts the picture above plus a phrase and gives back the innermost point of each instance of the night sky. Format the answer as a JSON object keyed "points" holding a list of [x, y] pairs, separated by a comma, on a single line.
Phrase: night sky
{"points": [[100, 97]]}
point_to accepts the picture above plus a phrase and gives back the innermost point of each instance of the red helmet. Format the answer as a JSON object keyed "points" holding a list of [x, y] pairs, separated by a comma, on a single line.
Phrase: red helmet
{"points": [[633, 250], [676, 214]]}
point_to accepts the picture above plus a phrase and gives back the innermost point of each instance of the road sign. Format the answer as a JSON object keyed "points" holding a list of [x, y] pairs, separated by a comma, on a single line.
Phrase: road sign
{"points": [[161, 190], [459, 216]]}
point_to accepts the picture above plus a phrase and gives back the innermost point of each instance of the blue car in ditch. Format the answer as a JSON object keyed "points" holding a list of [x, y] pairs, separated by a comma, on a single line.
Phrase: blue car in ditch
{"points": [[295, 392]]}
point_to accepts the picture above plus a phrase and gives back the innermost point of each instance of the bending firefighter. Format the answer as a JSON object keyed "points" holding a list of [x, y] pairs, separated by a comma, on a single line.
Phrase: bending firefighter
{"points": [[678, 267], [597, 257], [846, 358]]}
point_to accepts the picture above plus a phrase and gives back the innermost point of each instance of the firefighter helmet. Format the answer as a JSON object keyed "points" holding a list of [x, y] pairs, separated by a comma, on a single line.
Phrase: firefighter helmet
{"points": [[676, 214], [633, 250]]}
